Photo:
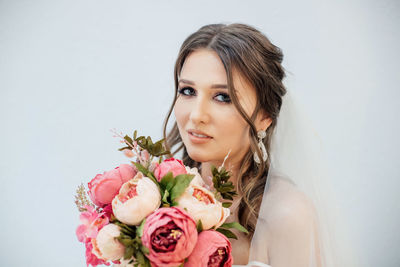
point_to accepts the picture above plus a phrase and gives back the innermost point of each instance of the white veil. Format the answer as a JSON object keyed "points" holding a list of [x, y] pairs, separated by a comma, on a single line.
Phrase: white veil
{"points": [[299, 223]]}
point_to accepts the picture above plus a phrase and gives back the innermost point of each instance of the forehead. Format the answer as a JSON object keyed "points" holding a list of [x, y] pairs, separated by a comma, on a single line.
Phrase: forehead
{"points": [[204, 68]]}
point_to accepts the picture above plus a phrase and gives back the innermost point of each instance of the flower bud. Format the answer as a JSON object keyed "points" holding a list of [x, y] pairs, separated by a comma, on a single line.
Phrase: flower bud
{"points": [[106, 246], [137, 198]]}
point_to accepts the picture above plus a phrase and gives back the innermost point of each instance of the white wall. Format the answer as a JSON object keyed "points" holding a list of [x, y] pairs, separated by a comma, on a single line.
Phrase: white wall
{"points": [[72, 70]]}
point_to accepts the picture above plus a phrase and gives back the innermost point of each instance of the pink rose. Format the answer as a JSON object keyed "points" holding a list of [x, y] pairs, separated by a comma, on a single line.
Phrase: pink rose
{"points": [[104, 187], [212, 249], [169, 165], [170, 235], [91, 223]]}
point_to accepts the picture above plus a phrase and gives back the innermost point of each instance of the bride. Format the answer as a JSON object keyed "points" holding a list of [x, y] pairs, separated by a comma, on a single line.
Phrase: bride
{"points": [[230, 100]]}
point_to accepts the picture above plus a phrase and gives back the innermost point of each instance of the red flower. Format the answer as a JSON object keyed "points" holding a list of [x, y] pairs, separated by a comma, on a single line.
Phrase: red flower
{"points": [[170, 235], [212, 249]]}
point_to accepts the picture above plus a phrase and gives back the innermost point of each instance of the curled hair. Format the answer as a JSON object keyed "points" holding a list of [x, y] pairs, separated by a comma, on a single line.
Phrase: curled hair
{"points": [[244, 49]]}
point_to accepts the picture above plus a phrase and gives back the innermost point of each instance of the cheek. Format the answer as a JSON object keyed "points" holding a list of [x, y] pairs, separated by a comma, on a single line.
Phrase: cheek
{"points": [[234, 129], [181, 113]]}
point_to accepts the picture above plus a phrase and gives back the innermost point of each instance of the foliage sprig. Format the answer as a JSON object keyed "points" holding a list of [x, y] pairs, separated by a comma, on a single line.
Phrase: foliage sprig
{"points": [[222, 185], [130, 237], [224, 229], [156, 149], [81, 199]]}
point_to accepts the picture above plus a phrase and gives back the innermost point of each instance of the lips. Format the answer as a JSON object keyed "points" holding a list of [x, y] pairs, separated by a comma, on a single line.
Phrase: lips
{"points": [[198, 133]]}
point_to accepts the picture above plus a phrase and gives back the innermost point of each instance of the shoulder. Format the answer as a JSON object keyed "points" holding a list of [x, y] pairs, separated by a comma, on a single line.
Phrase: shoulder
{"points": [[290, 211], [290, 226]]}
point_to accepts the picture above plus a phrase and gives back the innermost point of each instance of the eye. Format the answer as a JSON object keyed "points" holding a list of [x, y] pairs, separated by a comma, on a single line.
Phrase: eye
{"points": [[187, 91], [223, 97]]}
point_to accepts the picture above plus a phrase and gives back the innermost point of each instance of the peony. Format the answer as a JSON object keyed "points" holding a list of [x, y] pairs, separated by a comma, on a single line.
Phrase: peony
{"points": [[170, 235], [201, 204], [169, 165], [92, 259], [213, 249], [197, 179], [104, 187], [106, 246], [91, 223], [137, 198]]}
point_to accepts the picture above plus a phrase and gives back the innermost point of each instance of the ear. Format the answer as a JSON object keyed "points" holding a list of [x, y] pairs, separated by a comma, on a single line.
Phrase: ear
{"points": [[263, 121]]}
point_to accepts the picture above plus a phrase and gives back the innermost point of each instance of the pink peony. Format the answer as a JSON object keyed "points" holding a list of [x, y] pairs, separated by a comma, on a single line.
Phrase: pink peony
{"points": [[107, 209], [104, 187], [106, 246], [169, 165], [213, 249], [201, 204], [91, 259], [170, 235], [92, 222], [136, 199]]}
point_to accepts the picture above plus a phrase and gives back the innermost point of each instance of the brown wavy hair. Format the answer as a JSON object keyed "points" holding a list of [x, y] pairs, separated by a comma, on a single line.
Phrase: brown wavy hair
{"points": [[245, 49]]}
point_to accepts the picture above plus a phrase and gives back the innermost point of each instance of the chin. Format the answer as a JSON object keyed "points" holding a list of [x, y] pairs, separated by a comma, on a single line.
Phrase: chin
{"points": [[198, 156]]}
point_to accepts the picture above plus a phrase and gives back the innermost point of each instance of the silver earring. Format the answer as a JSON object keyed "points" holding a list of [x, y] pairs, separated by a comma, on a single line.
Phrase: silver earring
{"points": [[261, 135]]}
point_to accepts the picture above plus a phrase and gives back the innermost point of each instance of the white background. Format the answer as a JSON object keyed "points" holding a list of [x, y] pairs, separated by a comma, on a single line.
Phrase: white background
{"points": [[72, 70]]}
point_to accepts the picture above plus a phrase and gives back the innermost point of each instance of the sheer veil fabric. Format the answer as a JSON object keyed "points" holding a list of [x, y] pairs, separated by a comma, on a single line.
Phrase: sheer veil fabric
{"points": [[299, 223]]}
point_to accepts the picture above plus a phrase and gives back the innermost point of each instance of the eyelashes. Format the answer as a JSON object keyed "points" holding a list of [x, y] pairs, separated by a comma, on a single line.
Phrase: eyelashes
{"points": [[220, 97], [186, 91]]}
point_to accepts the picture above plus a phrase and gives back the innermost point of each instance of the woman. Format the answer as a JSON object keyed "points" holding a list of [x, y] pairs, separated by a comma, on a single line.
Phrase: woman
{"points": [[228, 99]]}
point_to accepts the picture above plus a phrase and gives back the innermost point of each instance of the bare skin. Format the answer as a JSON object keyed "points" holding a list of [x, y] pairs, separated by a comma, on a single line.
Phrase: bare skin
{"points": [[211, 126]]}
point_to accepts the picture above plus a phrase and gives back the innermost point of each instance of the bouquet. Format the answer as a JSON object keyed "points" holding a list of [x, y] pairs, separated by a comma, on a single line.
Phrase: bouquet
{"points": [[156, 212]]}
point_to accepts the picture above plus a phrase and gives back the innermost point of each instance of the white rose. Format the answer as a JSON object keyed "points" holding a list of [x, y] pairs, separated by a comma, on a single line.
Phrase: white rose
{"points": [[137, 198], [106, 246], [201, 204]]}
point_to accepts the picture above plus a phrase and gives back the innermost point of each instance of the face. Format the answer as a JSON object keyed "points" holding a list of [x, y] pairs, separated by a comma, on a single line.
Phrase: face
{"points": [[209, 123]]}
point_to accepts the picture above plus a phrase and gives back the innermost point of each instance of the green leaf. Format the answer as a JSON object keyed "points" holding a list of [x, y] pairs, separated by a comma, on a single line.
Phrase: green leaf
{"points": [[236, 226], [227, 233], [149, 141], [226, 204], [165, 196], [166, 180], [128, 139], [199, 226], [144, 249], [141, 168], [139, 230], [228, 197], [140, 258], [182, 181], [128, 253], [126, 241]]}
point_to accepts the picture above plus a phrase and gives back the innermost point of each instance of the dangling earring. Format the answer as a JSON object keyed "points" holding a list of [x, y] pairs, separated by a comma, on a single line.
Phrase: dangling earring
{"points": [[261, 135]]}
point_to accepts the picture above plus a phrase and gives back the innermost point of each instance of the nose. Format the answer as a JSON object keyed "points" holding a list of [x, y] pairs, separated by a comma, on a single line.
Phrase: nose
{"points": [[200, 111]]}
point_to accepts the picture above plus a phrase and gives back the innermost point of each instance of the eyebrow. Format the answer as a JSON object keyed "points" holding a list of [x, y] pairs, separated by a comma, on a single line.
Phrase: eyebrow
{"points": [[214, 86]]}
